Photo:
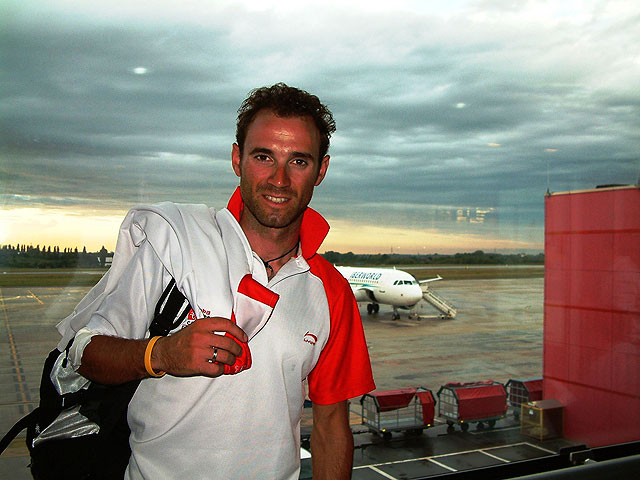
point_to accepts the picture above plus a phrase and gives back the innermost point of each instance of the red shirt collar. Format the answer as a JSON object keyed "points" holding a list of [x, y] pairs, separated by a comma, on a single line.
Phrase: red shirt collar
{"points": [[313, 230]]}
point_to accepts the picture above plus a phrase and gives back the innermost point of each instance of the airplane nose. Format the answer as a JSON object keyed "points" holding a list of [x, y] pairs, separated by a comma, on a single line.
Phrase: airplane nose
{"points": [[416, 293]]}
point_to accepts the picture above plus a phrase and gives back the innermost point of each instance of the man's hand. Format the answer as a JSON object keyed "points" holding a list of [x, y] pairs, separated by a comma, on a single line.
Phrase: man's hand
{"points": [[190, 351]]}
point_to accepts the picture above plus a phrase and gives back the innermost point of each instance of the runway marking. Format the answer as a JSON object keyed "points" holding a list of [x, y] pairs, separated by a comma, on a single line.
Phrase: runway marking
{"points": [[446, 467], [33, 295], [12, 404], [494, 456], [501, 429], [432, 458], [14, 352], [384, 474], [539, 448]]}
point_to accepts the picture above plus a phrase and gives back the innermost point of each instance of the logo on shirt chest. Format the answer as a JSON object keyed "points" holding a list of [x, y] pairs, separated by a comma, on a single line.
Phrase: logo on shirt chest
{"points": [[310, 338]]}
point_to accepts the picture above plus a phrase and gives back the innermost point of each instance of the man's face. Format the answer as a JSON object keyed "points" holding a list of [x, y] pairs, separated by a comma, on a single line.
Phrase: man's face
{"points": [[278, 169]]}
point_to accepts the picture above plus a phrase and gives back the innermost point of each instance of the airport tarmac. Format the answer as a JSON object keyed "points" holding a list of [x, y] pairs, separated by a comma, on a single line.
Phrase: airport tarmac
{"points": [[497, 335]]}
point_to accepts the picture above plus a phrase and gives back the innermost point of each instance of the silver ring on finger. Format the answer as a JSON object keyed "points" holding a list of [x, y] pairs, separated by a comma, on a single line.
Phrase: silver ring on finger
{"points": [[215, 355]]}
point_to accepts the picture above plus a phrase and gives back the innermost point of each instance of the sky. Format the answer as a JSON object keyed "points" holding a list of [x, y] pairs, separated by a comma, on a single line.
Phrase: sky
{"points": [[454, 118]]}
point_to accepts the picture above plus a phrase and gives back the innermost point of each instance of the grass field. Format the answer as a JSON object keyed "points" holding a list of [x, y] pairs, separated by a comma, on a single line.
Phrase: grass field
{"points": [[50, 277], [478, 272], [89, 277]]}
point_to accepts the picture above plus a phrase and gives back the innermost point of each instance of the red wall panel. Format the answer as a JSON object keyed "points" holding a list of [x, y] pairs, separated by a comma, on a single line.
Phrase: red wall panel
{"points": [[592, 313], [590, 367], [556, 362], [625, 333], [590, 328], [625, 413], [556, 329]]}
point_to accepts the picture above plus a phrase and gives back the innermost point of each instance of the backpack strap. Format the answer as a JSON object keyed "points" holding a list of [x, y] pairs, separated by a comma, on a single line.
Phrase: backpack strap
{"points": [[171, 310], [20, 425]]}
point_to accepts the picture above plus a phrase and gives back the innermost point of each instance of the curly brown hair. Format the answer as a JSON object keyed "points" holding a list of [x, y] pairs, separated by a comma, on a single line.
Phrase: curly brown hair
{"points": [[286, 101]]}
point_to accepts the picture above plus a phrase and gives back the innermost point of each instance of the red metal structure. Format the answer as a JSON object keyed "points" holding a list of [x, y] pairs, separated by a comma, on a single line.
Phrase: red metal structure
{"points": [[592, 312], [479, 402], [523, 390], [406, 409]]}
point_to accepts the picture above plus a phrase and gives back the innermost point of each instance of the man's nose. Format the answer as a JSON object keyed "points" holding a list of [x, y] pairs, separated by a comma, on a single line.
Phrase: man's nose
{"points": [[280, 176]]}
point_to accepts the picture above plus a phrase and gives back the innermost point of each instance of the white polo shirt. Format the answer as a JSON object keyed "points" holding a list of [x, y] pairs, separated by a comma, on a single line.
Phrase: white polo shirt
{"points": [[245, 425]]}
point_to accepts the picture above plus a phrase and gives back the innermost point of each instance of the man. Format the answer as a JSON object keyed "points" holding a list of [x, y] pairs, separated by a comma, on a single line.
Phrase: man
{"points": [[195, 422]]}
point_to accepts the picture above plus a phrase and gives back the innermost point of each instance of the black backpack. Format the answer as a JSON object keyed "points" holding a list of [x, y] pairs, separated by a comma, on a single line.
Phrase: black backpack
{"points": [[102, 455]]}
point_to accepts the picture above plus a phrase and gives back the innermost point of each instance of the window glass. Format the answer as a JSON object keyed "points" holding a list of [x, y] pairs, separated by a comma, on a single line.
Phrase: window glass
{"points": [[458, 123]]}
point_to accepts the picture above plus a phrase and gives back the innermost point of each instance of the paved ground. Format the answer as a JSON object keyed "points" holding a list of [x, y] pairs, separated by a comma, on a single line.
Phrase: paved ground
{"points": [[496, 335], [27, 334]]}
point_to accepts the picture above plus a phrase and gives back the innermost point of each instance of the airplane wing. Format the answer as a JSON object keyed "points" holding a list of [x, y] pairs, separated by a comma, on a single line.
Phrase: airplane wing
{"points": [[364, 293], [431, 279]]}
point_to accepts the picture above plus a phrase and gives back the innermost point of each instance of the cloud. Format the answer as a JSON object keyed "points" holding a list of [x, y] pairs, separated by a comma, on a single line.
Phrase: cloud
{"points": [[129, 104]]}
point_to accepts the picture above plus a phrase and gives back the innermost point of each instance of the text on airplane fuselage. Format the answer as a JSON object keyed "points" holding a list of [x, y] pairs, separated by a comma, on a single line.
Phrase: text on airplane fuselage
{"points": [[365, 276]]}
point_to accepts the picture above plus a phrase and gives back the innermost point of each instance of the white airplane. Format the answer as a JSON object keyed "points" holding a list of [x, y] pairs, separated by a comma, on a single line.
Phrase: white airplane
{"points": [[387, 286]]}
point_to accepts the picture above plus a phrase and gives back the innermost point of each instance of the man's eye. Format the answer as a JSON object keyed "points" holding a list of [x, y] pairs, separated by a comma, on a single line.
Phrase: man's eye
{"points": [[300, 162], [262, 157]]}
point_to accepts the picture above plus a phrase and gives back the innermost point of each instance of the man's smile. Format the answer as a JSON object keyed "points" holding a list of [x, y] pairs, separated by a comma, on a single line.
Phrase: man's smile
{"points": [[276, 199]]}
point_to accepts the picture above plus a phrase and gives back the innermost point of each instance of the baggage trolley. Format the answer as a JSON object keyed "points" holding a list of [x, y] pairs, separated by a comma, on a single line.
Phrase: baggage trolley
{"points": [[408, 409], [473, 402], [523, 390]]}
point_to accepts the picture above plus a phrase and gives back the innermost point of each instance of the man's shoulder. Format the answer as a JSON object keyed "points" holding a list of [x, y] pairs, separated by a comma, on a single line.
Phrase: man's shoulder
{"points": [[184, 207], [174, 212], [328, 273]]}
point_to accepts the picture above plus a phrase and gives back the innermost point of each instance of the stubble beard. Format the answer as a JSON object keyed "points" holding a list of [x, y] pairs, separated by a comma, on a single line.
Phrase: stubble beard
{"points": [[271, 219]]}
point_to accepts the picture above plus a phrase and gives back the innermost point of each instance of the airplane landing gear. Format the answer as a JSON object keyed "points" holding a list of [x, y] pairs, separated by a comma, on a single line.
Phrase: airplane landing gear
{"points": [[396, 315], [373, 308]]}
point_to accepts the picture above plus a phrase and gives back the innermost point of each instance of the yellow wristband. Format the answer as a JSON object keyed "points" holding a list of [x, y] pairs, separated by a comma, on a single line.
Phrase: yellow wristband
{"points": [[147, 358]]}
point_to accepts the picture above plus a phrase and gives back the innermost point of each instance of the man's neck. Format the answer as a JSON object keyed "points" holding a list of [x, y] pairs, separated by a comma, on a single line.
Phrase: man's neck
{"points": [[271, 243]]}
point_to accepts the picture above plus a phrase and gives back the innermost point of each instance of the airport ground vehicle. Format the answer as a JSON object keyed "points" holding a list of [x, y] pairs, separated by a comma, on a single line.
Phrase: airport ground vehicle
{"points": [[473, 402], [523, 390], [408, 409]]}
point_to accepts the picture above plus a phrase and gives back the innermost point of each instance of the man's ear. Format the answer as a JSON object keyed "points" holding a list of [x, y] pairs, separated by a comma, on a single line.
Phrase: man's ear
{"points": [[235, 158], [324, 165]]}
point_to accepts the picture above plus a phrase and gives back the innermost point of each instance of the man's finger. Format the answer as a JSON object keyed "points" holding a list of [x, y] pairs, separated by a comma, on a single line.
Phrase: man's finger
{"points": [[219, 324], [220, 355], [226, 343]]}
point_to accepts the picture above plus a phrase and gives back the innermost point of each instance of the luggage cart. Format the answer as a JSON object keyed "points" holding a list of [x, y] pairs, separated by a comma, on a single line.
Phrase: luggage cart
{"points": [[473, 402], [523, 390], [408, 409]]}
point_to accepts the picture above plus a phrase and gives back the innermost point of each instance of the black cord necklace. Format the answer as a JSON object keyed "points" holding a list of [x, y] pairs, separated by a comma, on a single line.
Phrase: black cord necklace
{"points": [[267, 262]]}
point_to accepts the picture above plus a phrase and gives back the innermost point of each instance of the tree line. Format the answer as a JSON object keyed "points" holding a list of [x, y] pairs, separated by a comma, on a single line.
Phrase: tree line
{"points": [[475, 258], [28, 256]]}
